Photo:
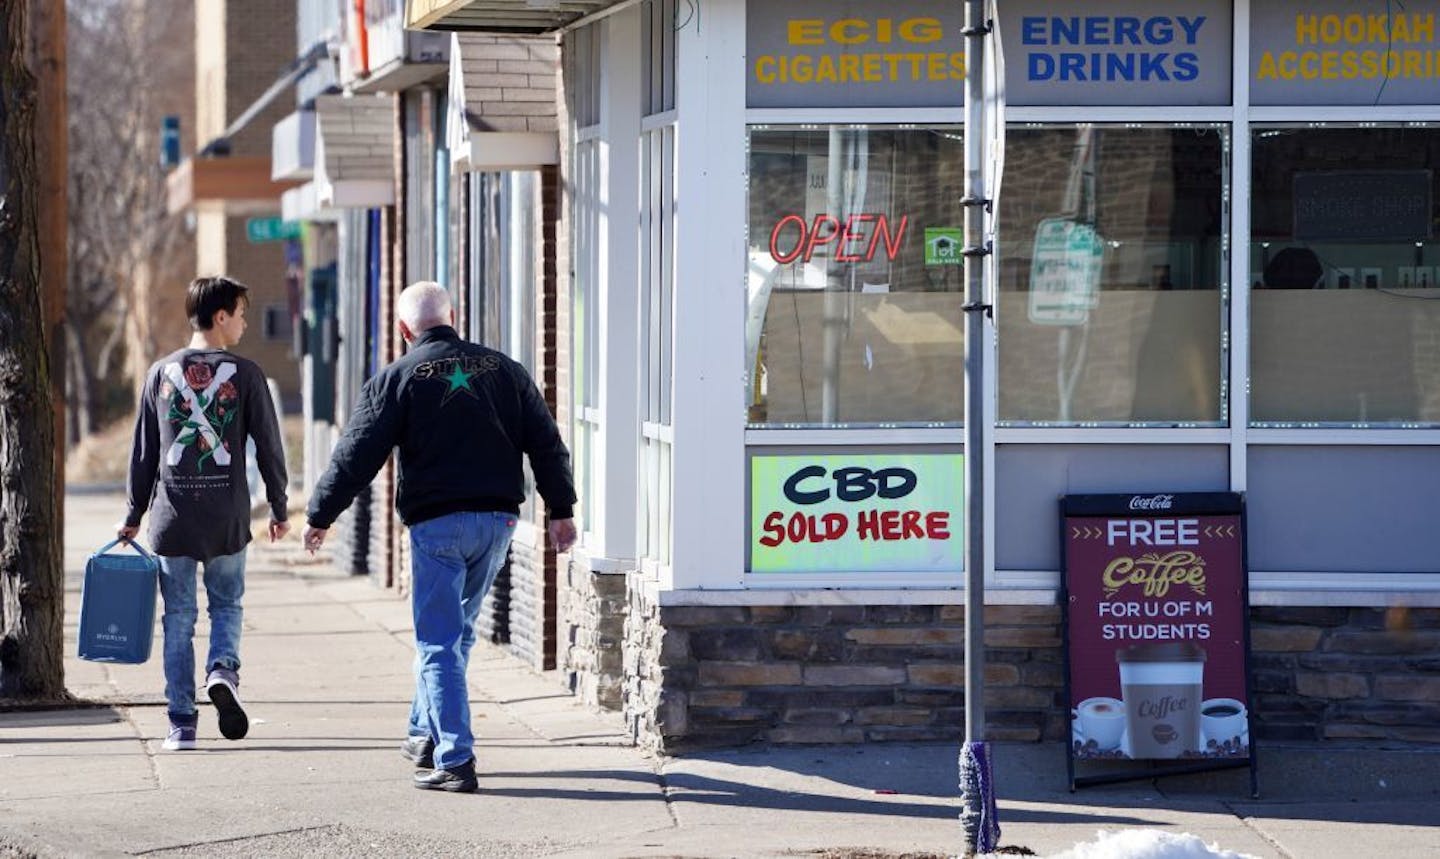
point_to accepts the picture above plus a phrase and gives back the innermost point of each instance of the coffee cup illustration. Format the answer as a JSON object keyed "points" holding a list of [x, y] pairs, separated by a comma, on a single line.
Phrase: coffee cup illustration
{"points": [[1101, 720], [1223, 720], [1161, 686]]}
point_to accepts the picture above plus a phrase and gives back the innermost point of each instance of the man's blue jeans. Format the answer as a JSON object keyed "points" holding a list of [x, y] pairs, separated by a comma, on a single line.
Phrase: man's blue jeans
{"points": [[454, 559], [224, 588]]}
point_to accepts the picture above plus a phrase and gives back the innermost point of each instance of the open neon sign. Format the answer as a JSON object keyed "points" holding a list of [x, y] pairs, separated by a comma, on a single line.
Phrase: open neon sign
{"points": [[828, 230]]}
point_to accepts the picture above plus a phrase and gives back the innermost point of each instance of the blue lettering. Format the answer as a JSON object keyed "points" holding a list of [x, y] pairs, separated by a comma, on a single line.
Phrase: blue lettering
{"points": [[1127, 29], [1187, 67], [1065, 31], [1072, 67], [1120, 67], [1097, 31], [1152, 67], [1032, 31], [1042, 67], [1191, 26], [1159, 31]]}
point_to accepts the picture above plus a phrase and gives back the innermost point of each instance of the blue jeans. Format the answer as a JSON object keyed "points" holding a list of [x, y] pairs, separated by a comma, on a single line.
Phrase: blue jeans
{"points": [[454, 559], [224, 588]]}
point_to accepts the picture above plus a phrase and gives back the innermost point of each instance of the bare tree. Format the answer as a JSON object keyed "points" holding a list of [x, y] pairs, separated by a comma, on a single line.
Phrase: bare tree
{"points": [[31, 577], [122, 53]]}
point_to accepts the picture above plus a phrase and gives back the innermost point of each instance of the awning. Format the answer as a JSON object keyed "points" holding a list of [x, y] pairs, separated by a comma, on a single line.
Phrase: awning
{"points": [[292, 147], [354, 151], [502, 109], [500, 16]]}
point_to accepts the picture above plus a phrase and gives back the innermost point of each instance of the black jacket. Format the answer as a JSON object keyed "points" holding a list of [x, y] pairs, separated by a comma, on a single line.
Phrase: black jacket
{"points": [[461, 415]]}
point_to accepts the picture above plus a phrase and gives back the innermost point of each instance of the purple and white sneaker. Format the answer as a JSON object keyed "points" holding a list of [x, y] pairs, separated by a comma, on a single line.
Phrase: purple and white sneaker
{"points": [[223, 687], [180, 739]]}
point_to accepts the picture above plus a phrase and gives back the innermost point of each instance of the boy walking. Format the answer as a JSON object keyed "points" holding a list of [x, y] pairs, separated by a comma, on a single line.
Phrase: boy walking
{"points": [[197, 407]]}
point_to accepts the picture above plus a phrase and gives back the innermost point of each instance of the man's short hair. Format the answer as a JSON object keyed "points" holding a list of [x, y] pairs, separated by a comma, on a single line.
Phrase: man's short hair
{"points": [[207, 296], [424, 305]]}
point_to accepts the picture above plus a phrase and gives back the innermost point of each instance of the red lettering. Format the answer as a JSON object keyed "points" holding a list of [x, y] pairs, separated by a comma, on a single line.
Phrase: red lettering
{"points": [[797, 528], [774, 531], [818, 238], [937, 525], [910, 523], [883, 229], [836, 524], [794, 253], [869, 525], [852, 233], [890, 525]]}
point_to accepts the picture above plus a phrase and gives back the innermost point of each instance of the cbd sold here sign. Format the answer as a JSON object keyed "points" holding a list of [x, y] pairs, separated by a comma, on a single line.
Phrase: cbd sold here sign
{"points": [[856, 513]]}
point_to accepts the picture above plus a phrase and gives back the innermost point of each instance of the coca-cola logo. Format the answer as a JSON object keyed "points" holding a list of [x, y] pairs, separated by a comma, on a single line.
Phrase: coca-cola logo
{"points": [[1152, 502]]}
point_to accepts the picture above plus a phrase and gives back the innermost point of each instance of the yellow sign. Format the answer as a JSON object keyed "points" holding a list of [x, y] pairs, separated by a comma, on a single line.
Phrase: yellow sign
{"points": [[818, 53]]}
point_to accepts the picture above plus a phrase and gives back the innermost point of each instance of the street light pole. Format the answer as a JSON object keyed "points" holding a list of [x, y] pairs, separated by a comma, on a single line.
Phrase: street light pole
{"points": [[977, 814]]}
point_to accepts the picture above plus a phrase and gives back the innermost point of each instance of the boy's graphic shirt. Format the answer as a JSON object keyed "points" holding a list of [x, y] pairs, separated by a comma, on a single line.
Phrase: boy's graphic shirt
{"points": [[188, 463]]}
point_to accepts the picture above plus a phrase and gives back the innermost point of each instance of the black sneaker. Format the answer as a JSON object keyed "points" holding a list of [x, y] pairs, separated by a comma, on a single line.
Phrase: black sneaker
{"points": [[459, 779], [222, 685], [419, 750]]}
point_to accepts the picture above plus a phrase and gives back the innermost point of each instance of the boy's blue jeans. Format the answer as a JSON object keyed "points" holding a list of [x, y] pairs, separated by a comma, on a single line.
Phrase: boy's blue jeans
{"points": [[454, 560], [224, 588]]}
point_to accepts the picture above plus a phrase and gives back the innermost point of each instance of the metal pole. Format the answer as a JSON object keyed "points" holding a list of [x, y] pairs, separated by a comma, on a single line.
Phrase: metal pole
{"points": [[976, 311], [977, 814]]}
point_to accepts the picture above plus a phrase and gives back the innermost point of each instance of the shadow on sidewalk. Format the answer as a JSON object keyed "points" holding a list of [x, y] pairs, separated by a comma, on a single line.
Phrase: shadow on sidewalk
{"points": [[705, 790]]}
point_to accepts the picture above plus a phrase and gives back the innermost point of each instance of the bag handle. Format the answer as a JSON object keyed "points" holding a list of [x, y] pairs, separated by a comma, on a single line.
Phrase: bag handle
{"points": [[134, 544]]}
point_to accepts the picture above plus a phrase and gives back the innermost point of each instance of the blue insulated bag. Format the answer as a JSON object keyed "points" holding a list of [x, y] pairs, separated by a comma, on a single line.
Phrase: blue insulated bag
{"points": [[117, 605]]}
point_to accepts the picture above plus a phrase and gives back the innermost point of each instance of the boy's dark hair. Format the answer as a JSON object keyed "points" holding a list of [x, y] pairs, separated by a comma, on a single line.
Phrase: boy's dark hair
{"points": [[207, 296]]}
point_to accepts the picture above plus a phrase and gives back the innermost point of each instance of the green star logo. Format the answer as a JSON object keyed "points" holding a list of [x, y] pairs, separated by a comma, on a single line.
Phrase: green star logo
{"points": [[458, 381]]}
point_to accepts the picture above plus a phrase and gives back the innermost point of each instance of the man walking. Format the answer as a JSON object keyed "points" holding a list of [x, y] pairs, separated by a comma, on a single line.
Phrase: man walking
{"points": [[197, 407], [462, 416]]}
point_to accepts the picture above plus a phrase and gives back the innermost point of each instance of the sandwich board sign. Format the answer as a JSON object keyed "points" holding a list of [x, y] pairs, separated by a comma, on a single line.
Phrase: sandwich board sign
{"points": [[1156, 633]]}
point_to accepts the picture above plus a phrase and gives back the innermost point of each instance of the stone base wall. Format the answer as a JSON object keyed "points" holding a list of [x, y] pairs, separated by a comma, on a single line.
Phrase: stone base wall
{"points": [[1346, 673], [707, 676], [700, 676], [592, 629], [351, 541]]}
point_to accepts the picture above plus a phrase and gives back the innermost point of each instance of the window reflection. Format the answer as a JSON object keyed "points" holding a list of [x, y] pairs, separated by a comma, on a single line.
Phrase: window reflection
{"points": [[1345, 326], [1111, 268], [854, 276]]}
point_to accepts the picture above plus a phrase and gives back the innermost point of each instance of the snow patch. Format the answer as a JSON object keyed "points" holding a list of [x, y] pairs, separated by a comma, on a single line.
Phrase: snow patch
{"points": [[1147, 844]]}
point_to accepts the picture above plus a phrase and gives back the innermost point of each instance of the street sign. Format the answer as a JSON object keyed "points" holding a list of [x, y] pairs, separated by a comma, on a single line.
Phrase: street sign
{"points": [[271, 229], [1065, 272]]}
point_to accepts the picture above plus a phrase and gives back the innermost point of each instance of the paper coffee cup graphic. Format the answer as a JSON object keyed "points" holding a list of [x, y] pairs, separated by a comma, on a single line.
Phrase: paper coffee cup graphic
{"points": [[1161, 686]]}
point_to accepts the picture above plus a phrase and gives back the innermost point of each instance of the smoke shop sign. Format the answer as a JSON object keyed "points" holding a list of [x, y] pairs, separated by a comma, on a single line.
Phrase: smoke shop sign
{"points": [[1155, 604], [1344, 52], [856, 513], [854, 53], [1123, 52]]}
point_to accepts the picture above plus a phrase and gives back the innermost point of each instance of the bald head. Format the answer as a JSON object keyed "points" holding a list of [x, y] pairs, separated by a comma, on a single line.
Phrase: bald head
{"points": [[423, 306]]}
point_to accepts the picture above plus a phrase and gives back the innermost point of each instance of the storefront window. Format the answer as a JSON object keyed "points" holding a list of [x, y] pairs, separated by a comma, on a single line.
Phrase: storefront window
{"points": [[855, 280], [1345, 321], [1112, 275]]}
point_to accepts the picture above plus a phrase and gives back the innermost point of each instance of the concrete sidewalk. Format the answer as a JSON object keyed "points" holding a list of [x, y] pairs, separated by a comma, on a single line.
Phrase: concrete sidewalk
{"points": [[327, 679]]}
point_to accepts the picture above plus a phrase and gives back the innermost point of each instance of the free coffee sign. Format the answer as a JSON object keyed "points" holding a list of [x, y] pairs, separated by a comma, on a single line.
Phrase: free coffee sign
{"points": [[1155, 613], [856, 513]]}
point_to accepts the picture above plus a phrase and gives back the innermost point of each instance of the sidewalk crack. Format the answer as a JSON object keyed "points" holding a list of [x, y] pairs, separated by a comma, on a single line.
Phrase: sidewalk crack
{"points": [[1249, 823], [667, 793]]}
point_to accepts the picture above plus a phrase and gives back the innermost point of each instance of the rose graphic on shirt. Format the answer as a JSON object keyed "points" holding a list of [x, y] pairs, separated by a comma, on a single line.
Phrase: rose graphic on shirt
{"points": [[201, 410], [198, 376]]}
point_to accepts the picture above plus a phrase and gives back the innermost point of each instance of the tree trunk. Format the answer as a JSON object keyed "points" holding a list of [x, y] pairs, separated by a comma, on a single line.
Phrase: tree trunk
{"points": [[32, 582], [80, 399]]}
